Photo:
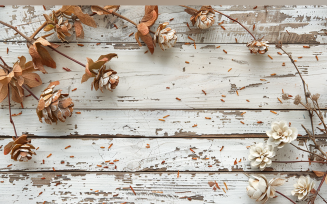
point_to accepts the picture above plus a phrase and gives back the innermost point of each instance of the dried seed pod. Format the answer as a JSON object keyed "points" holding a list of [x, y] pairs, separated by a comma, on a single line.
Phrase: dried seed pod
{"points": [[105, 78], [54, 105], [258, 46], [203, 18], [165, 36], [20, 149]]}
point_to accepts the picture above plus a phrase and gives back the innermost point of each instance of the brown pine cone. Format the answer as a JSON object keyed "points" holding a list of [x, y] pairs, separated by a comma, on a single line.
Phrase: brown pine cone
{"points": [[258, 46], [20, 149], [104, 78], [53, 105]]}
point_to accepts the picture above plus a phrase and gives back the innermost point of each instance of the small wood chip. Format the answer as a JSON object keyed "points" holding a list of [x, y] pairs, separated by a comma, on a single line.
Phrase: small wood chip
{"points": [[190, 38], [236, 40], [178, 99], [280, 100], [283, 64], [242, 88], [116, 26], [17, 114], [96, 191], [204, 92], [270, 57], [306, 46], [195, 125], [131, 34], [253, 26], [188, 26], [255, 7], [37, 148], [224, 190], [230, 69], [71, 156], [247, 100], [102, 147], [221, 23], [167, 87], [98, 43], [43, 178], [178, 174], [221, 148], [171, 19], [74, 89], [9, 165], [300, 57], [67, 147], [44, 7], [187, 62], [99, 165], [78, 112], [166, 116], [161, 119], [66, 69], [223, 27], [259, 122], [132, 190], [317, 57], [162, 162], [242, 122], [274, 112], [243, 113], [222, 100], [223, 95], [49, 155], [225, 51], [43, 161], [192, 150], [187, 43], [194, 158], [210, 166], [273, 74], [279, 53], [147, 146], [218, 47], [235, 162], [263, 80], [53, 169], [207, 118], [7, 50], [194, 45], [217, 185], [237, 92], [146, 51], [225, 185], [81, 45], [288, 32]]}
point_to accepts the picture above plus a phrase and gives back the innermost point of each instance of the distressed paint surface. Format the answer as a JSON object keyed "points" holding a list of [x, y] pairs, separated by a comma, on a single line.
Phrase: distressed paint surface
{"points": [[305, 24], [84, 187], [128, 154], [143, 82]]}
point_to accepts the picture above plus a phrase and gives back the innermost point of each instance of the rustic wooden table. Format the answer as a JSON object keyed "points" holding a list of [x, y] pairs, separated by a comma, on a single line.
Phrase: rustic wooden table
{"points": [[128, 116]]}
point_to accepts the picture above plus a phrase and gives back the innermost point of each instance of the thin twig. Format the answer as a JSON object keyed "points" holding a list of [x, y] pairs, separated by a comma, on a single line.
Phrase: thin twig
{"points": [[317, 191], [322, 198], [29, 91], [10, 117], [80, 63], [286, 197], [20, 33], [314, 141], [321, 162], [3, 61], [38, 30], [308, 151]]}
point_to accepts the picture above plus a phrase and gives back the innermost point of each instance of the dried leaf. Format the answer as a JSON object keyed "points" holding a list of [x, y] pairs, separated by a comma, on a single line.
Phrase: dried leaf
{"points": [[147, 39], [277, 182], [137, 36], [106, 10], [23, 140], [32, 79], [15, 95], [49, 27], [46, 59], [67, 9], [150, 18], [36, 58], [143, 28], [3, 92], [319, 173], [41, 104], [190, 11], [79, 29], [8, 148], [84, 18], [211, 183]]}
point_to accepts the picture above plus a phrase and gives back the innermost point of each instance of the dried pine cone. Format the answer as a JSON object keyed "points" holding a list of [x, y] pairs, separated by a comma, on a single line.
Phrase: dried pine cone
{"points": [[166, 37], [57, 23], [204, 18], [258, 46], [105, 78], [20, 149], [53, 105]]}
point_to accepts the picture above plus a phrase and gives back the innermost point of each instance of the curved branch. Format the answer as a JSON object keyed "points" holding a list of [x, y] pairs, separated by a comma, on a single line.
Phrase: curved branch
{"points": [[20, 33]]}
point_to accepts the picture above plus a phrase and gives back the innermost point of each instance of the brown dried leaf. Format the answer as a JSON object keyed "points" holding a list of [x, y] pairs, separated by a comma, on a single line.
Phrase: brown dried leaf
{"points": [[8, 148], [137, 36], [105, 10], [85, 77], [143, 28], [211, 183], [36, 58], [46, 59], [22, 140], [190, 11], [84, 18], [150, 18], [32, 79], [67, 9], [15, 96], [79, 29], [147, 39], [3, 92], [108, 56], [41, 104], [43, 41], [5, 78], [319, 173], [49, 27], [53, 84]]}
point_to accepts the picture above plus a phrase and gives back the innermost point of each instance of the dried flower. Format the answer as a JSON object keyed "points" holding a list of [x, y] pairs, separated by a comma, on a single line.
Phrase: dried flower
{"points": [[261, 155], [303, 187], [20, 74], [258, 46], [53, 105], [106, 78], [150, 17], [166, 37], [20, 149], [204, 18], [315, 97], [260, 189], [280, 134], [297, 100]]}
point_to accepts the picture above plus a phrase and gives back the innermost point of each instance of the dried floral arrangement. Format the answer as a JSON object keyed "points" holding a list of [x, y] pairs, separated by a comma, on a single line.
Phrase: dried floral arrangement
{"points": [[54, 105]]}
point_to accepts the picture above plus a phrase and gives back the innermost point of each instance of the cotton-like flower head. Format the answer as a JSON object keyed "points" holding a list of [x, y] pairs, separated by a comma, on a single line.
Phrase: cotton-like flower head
{"points": [[260, 189], [302, 187], [258, 46], [280, 134], [261, 155], [165, 36]]}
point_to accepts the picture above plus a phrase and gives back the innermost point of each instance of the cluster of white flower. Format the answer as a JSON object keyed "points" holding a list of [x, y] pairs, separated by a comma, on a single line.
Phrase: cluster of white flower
{"points": [[280, 134]]}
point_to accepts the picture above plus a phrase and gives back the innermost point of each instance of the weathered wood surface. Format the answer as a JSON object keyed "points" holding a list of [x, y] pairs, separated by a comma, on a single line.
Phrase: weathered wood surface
{"points": [[132, 154], [305, 24], [86, 187], [146, 123], [144, 77]]}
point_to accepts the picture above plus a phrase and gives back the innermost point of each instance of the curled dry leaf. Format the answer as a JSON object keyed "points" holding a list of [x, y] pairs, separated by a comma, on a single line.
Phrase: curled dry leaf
{"points": [[54, 105], [20, 149], [104, 78], [105, 10], [149, 18]]}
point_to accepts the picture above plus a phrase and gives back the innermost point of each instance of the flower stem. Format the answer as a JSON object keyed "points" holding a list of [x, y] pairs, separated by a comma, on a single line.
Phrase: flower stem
{"points": [[322, 198], [317, 191], [10, 117], [314, 141], [321, 162], [54, 49], [308, 151], [14, 28], [236, 22], [29, 91], [286, 197], [38, 30]]}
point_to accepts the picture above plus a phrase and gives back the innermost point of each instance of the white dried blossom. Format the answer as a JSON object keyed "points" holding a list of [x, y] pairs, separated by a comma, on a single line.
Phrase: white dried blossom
{"points": [[205, 20], [303, 187], [166, 37], [260, 189], [258, 46], [280, 134], [261, 155]]}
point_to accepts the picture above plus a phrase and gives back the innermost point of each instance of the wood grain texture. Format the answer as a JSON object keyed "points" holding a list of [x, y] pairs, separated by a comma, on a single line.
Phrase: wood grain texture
{"points": [[144, 77], [128, 154], [305, 24], [84, 187], [146, 123]]}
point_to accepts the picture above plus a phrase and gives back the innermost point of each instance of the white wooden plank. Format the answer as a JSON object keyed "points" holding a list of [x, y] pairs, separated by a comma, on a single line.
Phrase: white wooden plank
{"points": [[127, 123], [149, 188], [144, 78], [127, 154], [305, 24]]}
